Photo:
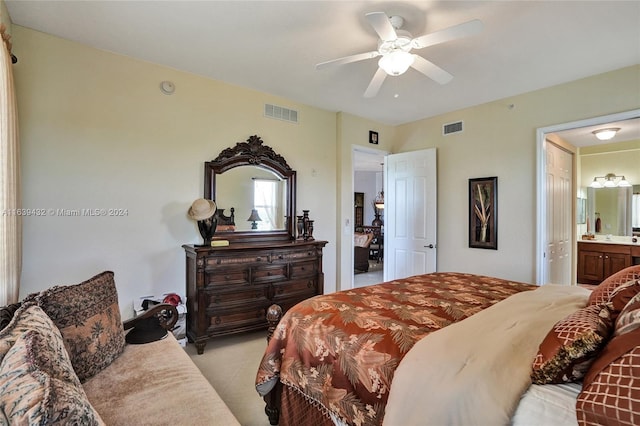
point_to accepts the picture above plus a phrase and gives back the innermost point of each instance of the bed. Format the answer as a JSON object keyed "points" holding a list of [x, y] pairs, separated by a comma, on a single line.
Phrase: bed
{"points": [[454, 348]]}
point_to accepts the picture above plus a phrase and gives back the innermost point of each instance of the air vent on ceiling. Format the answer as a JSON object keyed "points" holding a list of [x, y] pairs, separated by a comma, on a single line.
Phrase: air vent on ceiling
{"points": [[280, 113], [456, 127]]}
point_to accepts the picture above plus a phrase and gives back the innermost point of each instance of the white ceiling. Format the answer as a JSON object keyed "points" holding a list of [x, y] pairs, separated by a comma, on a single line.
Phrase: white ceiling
{"points": [[273, 46]]}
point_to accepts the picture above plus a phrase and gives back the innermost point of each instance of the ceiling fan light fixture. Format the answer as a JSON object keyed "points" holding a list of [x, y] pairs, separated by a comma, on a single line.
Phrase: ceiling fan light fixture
{"points": [[606, 134], [396, 63]]}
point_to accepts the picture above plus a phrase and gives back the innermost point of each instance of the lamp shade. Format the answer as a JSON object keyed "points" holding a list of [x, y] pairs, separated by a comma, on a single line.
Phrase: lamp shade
{"points": [[253, 218], [396, 63]]}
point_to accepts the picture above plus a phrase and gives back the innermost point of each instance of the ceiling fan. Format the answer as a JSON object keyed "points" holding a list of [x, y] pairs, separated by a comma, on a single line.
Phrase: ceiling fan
{"points": [[395, 47]]}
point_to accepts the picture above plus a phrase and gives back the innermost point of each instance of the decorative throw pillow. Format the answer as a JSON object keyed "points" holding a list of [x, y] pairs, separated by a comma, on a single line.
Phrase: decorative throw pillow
{"points": [[27, 317], [603, 291], [569, 348], [629, 318], [362, 240], [620, 297], [37, 382], [88, 316], [611, 388]]}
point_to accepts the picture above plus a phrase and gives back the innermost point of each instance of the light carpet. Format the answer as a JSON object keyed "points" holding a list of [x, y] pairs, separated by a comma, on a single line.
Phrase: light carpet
{"points": [[230, 364]]}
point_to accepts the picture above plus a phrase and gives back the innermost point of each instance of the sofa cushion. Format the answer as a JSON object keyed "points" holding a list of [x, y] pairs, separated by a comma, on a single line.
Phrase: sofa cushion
{"points": [[37, 382], [156, 383], [88, 316]]}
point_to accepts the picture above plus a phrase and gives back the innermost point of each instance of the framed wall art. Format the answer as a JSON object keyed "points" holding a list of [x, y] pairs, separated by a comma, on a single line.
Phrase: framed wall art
{"points": [[373, 137], [483, 213]]}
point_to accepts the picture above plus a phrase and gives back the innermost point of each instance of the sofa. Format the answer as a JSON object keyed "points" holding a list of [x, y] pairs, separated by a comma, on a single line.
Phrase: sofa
{"points": [[64, 360]]}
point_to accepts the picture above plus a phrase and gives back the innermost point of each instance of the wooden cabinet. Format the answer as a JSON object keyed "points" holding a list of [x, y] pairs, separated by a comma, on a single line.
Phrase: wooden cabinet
{"points": [[597, 261], [230, 288], [358, 209]]}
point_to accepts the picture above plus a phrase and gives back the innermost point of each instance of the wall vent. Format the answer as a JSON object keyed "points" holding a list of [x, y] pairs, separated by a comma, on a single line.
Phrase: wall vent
{"points": [[456, 127], [280, 113]]}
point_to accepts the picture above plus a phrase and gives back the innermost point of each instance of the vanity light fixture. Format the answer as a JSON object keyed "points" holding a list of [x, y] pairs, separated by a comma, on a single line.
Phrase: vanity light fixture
{"points": [[606, 134], [610, 180]]}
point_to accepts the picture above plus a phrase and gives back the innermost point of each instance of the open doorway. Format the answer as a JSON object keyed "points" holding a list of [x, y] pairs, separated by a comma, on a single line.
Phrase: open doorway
{"points": [[368, 218], [577, 135]]}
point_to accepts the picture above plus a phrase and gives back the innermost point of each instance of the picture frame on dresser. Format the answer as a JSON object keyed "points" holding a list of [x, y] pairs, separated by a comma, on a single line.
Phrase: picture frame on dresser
{"points": [[230, 288]]}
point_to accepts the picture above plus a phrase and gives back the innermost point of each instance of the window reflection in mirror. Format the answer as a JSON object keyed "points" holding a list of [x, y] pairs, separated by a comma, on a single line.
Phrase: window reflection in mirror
{"points": [[249, 187]]}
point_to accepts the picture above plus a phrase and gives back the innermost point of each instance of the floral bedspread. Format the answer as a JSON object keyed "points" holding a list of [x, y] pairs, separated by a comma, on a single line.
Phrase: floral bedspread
{"points": [[341, 350]]}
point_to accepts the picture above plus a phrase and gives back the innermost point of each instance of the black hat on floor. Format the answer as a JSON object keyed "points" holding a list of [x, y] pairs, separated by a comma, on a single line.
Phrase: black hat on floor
{"points": [[145, 331]]}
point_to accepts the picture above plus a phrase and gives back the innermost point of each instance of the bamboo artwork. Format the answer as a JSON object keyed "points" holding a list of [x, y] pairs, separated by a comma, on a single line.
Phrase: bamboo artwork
{"points": [[482, 213]]}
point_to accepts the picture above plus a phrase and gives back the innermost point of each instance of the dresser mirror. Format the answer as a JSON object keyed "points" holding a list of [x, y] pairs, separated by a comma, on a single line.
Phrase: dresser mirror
{"points": [[252, 176]]}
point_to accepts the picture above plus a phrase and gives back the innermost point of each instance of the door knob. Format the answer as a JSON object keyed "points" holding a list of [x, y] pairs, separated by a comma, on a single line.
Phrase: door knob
{"points": [[429, 246]]}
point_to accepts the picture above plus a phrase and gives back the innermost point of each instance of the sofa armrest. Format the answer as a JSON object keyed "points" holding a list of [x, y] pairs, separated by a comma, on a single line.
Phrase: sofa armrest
{"points": [[167, 315]]}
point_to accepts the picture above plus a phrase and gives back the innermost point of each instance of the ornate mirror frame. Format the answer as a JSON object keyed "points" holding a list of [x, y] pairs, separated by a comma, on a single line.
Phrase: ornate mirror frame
{"points": [[254, 153]]}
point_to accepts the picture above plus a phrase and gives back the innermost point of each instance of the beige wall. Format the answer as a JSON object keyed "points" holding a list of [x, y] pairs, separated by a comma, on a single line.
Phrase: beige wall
{"points": [[499, 139], [620, 158], [96, 132]]}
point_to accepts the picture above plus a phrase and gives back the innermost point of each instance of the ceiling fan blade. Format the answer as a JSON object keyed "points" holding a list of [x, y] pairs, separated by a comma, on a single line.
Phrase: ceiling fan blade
{"points": [[348, 59], [381, 24], [465, 29], [376, 83], [431, 70]]}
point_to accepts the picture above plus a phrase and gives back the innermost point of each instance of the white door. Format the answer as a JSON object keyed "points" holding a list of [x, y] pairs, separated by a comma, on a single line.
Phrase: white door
{"points": [[559, 215], [410, 214]]}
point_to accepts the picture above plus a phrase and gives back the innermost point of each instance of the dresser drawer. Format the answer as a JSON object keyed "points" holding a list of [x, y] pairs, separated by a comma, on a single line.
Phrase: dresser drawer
{"points": [[231, 276], [234, 320], [214, 262], [268, 273], [295, 255], [303, 269], [295, 289], [218, 299]]}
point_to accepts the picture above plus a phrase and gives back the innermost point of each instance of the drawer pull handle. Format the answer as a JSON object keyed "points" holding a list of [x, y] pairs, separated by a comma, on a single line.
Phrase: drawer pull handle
{"points": [[218, 320], [269, 273], [280, 256], [227, 277]]}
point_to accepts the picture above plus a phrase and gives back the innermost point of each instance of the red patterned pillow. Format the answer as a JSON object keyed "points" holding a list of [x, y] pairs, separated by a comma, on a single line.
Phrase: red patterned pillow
{"points": [[629, 318], [603, 291], [571, 345], [611, 389]]}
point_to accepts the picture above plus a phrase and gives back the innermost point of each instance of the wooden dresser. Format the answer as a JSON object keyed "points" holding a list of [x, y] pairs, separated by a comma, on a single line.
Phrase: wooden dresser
{"points": [[230, 288]]}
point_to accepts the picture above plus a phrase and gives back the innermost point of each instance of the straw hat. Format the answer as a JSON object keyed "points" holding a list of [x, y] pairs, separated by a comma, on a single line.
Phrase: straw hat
{"points": [[202, 209]]}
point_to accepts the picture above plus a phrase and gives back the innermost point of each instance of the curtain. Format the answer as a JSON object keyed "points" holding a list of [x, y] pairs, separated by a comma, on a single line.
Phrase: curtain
{"points": [[10, 200], [264, 200]]}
